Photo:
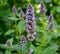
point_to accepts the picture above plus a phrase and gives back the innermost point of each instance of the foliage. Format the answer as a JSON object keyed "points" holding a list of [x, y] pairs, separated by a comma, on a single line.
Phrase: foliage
{"points": [[12, 28]]}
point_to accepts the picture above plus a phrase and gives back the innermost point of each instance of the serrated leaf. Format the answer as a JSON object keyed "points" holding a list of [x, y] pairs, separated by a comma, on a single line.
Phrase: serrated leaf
{"points": [[7, 52], [21, 26], [9, 32], [38, 29], [16, 47], [50, 50]]}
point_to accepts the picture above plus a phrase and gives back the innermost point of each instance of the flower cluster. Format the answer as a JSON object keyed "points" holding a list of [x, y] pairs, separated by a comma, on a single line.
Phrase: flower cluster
{"points": [[30, 22], [42, 9], [50, 19]]}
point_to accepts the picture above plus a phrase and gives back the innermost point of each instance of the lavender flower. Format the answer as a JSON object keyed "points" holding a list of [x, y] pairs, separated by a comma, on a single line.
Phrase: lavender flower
{"points": [[42, 9], [30, 21], [51, 26], [22, 14], [14, 9], [30, 51], [22, 40], [8, 43], [50, 18]]}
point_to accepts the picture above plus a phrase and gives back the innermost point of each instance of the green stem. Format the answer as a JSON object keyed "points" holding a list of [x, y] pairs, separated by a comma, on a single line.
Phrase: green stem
{"points": [[16, 28]]}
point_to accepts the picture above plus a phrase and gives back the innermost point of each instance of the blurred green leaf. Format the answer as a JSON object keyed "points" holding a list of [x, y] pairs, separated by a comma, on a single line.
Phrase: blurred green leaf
{"points": [[58, 9], [17, 37], [1, 52], [3, 46], [13, 18], [38, 29], [47, 1], [50, 50], [7, 52], [9, 32], [21, 26], [11, 39]]}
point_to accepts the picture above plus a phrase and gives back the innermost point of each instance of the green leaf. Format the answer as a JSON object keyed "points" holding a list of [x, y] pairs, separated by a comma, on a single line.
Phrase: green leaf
{"points": [[56, 35], [3, 46], [32, 47], [9, 32], [21, 26], [47, 1], [24, 48], [11, 39], [37, 1], [17, 37], [1, 52], [13, 18], [38, 29], [7, 52], [50, 50], [47, 37], [16, 47], [58, 9]]}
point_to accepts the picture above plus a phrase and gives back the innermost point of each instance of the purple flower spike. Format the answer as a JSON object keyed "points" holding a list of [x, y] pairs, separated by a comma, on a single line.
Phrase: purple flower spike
{"points": [[51, 26], [30, 22], [30, 51], [50, 18], [42, 9], [8, 43], [22, 40], [22, 14], [14, 9]]}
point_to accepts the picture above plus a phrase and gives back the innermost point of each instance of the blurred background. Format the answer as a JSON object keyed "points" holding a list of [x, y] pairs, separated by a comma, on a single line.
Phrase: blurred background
{"points": [[52, 6]]}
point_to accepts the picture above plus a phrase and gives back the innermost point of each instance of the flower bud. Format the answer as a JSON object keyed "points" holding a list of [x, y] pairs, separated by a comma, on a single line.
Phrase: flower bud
{"points": [[22, 14], [51, 26], [14, 10], [50, 18], [42, 9], [8, 43]]}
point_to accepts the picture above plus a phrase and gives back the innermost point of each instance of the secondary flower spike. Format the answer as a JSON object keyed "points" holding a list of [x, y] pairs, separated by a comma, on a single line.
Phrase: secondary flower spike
{"points": [[22, 14], [22, 40], [42, 9], [50, 18], [30, 20], [14, 10]]}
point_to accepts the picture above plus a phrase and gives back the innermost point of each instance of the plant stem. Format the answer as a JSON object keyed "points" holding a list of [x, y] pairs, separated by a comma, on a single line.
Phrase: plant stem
{"points": [[16, 28]]}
